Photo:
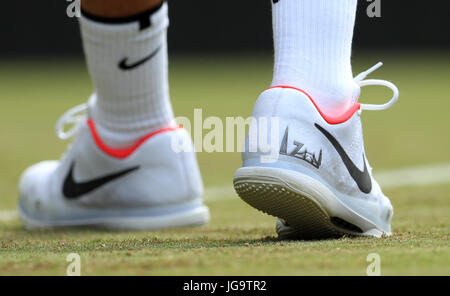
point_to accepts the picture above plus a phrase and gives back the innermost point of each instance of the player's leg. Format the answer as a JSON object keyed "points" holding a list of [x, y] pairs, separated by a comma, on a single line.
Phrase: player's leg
{"points": [[121, 171], [118, 8], [317, 178], [126, 52], [313, 42]]}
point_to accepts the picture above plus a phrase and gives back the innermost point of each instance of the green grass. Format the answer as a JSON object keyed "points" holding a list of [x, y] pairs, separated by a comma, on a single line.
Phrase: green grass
{"points": [[239, 240]]}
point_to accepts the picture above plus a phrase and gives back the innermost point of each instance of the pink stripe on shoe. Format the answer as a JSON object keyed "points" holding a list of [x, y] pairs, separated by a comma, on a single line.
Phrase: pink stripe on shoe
{"points": [[331, 119], [124, 152]]}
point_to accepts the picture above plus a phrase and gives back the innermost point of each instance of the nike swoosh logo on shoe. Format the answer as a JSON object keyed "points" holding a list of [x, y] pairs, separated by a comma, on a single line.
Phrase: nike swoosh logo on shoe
{"points": [[123, 64], [362, 178], [73, 189]]}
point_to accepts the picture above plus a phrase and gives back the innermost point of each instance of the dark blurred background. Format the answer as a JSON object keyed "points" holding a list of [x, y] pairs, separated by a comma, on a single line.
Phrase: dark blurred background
{"points": [[41, 28]]}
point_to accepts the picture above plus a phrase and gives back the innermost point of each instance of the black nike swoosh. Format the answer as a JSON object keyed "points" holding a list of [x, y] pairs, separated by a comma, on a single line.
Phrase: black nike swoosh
{"points": [[126, 67], [362, 178], [73, 189]]}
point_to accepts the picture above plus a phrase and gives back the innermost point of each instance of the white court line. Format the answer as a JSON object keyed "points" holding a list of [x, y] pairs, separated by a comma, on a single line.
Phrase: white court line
{"points": [[415, 176], [407, 177], [6, 216]]}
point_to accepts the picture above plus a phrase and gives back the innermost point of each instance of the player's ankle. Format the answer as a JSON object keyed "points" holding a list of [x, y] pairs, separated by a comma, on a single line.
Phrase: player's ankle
{"points": [[332, 99], [117, 135]]}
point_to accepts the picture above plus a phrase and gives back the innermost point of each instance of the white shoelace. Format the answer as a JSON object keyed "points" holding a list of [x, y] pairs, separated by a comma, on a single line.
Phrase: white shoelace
{"points": [[361, 82], [77, 115]]}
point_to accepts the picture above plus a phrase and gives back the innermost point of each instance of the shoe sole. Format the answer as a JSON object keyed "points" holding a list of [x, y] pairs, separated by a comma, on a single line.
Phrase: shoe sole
{"points": [[310, 210], [197, 216]]}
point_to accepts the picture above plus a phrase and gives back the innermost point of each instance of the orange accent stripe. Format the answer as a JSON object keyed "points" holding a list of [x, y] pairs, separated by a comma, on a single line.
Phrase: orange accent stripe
{"points": [[124, 152], [336, 119]]}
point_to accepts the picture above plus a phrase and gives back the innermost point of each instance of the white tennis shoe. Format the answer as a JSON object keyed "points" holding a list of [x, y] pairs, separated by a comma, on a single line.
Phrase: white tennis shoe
{"points": [[147, 186], [319, 182]]}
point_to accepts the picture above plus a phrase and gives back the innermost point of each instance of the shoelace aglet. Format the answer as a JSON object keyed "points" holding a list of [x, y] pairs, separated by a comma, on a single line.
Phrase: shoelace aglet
{"points": [[364, 74]]}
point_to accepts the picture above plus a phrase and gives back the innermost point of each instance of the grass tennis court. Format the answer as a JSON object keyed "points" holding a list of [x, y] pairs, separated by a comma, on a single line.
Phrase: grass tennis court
{"points": [[239, 240]]}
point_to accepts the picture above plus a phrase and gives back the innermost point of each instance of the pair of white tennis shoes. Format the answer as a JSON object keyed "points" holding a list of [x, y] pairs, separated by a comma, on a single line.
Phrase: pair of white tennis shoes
{"points": [[318, 182]]}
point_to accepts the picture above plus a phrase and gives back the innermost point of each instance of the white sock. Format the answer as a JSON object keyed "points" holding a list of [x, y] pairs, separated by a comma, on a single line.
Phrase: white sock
{"points": [[132, 89], [313, 41]]}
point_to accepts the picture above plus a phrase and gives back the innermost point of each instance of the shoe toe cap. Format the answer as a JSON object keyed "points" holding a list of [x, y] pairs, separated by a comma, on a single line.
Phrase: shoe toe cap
{"points": [[33, 185]]}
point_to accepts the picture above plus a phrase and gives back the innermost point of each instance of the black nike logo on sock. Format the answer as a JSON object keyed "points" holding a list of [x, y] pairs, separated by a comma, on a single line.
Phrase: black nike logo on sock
{"points": [[73, 189], [362, 178], [123, 64]]}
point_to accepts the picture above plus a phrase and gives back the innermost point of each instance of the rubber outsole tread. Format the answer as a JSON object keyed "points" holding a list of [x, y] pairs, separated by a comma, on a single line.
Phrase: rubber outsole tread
{"points": [[306, 219]]}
